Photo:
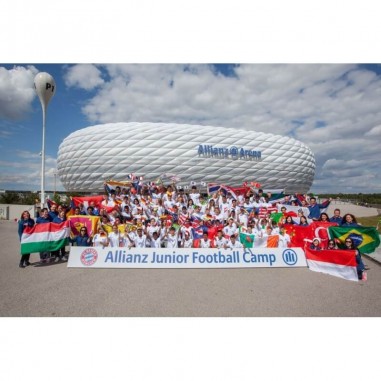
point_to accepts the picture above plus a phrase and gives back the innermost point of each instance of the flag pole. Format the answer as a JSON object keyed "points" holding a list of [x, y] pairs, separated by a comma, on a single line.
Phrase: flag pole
{"points": [[45, 87]]}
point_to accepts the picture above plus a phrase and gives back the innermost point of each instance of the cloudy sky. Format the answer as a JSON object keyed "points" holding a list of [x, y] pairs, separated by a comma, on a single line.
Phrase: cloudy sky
{"points": [[333, 108]]}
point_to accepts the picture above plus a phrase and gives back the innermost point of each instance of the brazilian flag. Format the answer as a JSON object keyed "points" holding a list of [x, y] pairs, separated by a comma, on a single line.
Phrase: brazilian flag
{"points": [[365, 239]]}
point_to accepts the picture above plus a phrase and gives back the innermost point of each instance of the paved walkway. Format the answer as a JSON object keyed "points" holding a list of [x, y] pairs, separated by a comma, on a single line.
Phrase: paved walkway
{"points": [[346, 207], [55, 290]]}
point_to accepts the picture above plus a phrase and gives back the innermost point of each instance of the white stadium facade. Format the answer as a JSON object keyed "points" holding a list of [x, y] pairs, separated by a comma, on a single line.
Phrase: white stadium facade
{"points": [[230, 156]]}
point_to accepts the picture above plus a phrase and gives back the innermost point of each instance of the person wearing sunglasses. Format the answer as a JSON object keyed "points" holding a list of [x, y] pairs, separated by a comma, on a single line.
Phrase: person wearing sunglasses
{"points": [[349, 245], [82, 239], [332, 245]]}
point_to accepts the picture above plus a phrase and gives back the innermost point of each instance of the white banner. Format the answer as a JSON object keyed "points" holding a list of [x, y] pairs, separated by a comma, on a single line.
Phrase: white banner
{"points": [[96, 257]]}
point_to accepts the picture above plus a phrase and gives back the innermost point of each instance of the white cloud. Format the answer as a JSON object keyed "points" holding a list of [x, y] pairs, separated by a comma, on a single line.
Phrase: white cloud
{"points": [[24, 174], [332, 108], [84, 76], [375, 131], [16, 91]]}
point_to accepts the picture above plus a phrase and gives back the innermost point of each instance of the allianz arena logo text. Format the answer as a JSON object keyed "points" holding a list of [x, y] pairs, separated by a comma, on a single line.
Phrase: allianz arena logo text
{"points": [[231, 152]]}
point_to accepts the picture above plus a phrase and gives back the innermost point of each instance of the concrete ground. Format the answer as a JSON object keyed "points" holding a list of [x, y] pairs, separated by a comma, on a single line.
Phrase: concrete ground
{"points": [[346, 207], [55, 290]]}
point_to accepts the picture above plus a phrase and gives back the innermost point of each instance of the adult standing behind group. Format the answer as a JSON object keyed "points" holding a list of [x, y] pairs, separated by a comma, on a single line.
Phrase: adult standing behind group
{"points": [[60, 254], [314, 207], [24, 222], [44, 219]]}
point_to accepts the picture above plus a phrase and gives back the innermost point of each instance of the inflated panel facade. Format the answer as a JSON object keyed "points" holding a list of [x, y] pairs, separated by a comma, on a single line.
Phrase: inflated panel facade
{"points": [[197, 153]]}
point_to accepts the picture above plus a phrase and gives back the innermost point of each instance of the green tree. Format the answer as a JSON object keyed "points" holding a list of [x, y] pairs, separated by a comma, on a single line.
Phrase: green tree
{"points": [[10, 198]]}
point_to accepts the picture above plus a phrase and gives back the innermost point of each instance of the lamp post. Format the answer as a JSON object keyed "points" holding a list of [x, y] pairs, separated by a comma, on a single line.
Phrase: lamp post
{"points": [[45, 87], [55, 178]]}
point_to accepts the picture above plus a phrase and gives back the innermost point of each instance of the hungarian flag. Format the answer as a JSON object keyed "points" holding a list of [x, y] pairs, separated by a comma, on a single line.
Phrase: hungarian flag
{"points": [[45, 237], [365, 239], [77, 222], [340, 263]]}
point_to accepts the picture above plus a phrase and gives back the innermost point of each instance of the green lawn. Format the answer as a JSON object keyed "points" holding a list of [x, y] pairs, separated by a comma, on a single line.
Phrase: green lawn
{"points": [[370, 221]]}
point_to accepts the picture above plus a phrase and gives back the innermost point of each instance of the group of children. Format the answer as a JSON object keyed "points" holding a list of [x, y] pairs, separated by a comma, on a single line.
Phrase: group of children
{"points": [[169, 217]]}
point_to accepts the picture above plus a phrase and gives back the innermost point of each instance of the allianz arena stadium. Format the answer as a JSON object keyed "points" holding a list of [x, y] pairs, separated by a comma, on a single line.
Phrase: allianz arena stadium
{"points": [[230, 156]]}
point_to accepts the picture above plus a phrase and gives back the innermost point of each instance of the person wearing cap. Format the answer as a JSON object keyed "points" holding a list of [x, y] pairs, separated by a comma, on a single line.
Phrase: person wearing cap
{"points": [[315, 244], [243, 217], [233, 243]]}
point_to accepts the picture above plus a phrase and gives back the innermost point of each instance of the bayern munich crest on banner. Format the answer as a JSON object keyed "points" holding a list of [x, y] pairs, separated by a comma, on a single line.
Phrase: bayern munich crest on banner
{"points": [[89, 257]]}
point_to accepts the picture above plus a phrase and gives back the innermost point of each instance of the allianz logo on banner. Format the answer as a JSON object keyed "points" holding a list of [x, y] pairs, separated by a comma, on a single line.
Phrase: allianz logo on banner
{"points": [[185, 258], [232, 152]]}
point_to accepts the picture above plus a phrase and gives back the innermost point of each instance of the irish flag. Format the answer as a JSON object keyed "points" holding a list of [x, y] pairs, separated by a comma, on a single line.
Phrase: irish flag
{"points": [[340, 263], [44, 237], [270, 241]]}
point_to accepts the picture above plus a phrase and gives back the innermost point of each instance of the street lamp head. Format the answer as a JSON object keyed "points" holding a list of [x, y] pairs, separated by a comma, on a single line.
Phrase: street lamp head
{"points": [[45, 87]]}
